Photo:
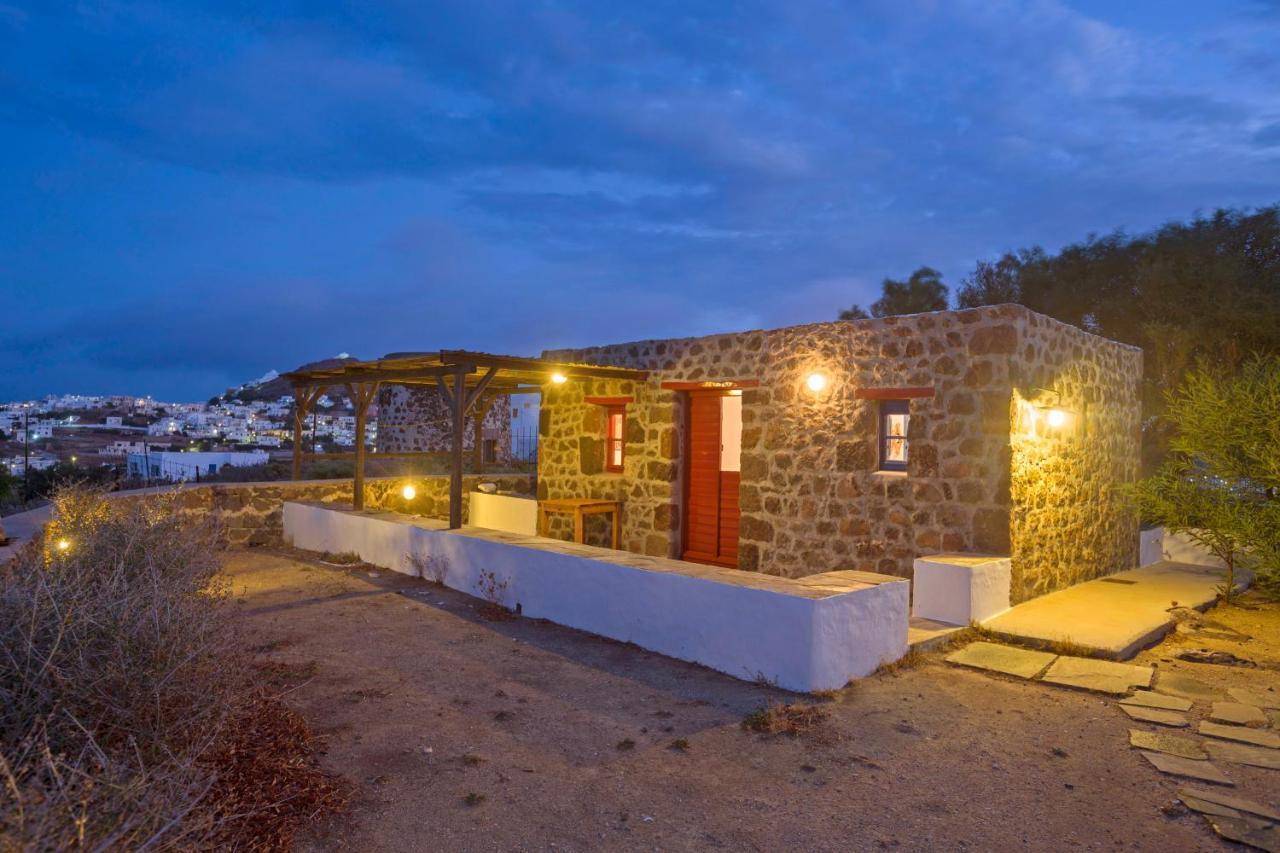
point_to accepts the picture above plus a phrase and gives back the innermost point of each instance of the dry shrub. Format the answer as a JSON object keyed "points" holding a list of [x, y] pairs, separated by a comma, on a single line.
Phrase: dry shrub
{"points": [[793, 719], [120, 666], [269, 783]]}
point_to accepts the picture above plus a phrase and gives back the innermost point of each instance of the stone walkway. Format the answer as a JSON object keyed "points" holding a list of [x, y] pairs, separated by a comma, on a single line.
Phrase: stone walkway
{"points": [[1235, 727], [1113, 617]]}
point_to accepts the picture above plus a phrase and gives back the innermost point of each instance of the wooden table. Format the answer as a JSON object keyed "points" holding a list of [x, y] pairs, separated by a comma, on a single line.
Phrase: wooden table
{"points": [[581, 508]]}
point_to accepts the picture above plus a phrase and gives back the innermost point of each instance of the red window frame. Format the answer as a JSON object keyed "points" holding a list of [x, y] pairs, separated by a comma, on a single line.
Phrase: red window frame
{"points": [[615, 439]]}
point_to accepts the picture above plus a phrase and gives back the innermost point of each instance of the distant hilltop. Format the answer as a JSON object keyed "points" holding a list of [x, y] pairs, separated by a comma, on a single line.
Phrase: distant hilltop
{"points": [[271, 387]]}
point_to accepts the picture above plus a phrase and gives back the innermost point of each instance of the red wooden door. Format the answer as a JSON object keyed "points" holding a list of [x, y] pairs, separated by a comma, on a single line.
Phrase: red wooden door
{"points": [[711, 494]]}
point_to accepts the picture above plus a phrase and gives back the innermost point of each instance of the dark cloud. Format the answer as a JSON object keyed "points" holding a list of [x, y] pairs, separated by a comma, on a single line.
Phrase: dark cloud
{"points": [[227, 186]]}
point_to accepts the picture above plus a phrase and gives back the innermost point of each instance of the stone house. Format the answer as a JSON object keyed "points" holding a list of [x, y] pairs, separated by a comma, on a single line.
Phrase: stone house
{"points": [[861, 445]]}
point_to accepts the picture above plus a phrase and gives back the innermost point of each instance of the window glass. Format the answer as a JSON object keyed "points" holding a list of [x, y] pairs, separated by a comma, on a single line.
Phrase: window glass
{"points": [[894, 421], [615, 442]]}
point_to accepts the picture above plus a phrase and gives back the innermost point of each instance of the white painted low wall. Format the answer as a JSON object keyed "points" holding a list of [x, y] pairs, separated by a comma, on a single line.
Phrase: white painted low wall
{"points": [[810, 634], [504, 512], [960, 588], [1156, 544]]}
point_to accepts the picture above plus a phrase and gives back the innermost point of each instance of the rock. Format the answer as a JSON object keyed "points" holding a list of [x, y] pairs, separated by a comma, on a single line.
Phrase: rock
{"points": [[1101, 676], [1237, 713], [1241, 734], [1239, 753], [1213, 656], [1151, 699], [1155, 715], [1008, 660], [1163, 742], [1177, 766]]}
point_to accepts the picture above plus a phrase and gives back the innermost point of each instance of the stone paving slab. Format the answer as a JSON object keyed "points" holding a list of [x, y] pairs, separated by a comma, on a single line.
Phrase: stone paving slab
{"points": [[1177, 766], [1155, 715], [1261, 698], [1151, 699], [1247, 830], [1164, 742], [925, 634], [1100, 676], [1257, 737], [1183, 685], [1240, 753], [1237, 714], [1113, 620], [1008, 660], [1231, 801]]}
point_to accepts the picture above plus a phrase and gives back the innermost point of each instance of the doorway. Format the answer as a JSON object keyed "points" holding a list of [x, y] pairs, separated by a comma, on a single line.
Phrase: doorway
{"points": [[713, 452]]}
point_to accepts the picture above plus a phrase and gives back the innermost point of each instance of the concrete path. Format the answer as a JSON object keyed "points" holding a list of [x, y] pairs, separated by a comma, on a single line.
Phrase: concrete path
{"points": [[1113, 617]]}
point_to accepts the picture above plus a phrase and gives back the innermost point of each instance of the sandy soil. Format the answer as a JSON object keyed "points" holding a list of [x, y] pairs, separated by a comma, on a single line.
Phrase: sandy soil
{"points": [[459, 733]]}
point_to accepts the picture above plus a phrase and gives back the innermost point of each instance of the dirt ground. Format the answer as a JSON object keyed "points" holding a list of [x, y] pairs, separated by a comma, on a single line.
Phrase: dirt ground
{"points": [[460, 733]]}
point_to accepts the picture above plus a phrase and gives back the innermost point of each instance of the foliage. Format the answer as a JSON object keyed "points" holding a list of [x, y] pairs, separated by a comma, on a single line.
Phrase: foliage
{"points": [[1221, 485], [117, 667], [1205, 289], [923, 291]]}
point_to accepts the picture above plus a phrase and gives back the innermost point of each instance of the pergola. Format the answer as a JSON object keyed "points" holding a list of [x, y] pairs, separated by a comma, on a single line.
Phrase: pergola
{"points": [[467, 381]]}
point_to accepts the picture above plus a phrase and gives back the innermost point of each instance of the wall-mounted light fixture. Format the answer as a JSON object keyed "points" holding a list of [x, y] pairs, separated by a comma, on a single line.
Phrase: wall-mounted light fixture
{"points": [[1047, 403], [816, 382], [64, 544], [559, 378], [408, 492]]}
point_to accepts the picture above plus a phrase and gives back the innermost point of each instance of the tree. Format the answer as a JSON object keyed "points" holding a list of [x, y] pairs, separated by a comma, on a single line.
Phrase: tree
{"points": [[923, 291], [1221, 483]]}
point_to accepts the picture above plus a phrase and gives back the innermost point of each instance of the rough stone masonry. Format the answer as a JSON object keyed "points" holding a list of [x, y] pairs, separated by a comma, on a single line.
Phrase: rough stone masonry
{"points": [[986, 474]]}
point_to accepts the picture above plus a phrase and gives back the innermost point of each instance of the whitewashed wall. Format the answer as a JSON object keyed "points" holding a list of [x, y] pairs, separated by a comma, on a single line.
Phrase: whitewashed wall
{"points": [[786, 634]]}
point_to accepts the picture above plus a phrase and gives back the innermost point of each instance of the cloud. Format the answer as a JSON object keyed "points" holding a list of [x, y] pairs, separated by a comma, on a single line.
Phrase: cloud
{"points": [[393, 175]]}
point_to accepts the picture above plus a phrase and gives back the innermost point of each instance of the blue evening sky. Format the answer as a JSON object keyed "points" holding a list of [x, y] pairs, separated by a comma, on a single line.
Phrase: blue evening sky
{"points": [[192, 193]]}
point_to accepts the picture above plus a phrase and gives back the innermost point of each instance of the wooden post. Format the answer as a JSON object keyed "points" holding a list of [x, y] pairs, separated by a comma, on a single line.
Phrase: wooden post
{"points": [[362, 395], [298, 417], [459, 404]]}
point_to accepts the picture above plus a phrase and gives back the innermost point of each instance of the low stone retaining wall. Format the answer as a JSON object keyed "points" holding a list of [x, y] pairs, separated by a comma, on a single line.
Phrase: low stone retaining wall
{"points": [[806, 634], [249, 513]]}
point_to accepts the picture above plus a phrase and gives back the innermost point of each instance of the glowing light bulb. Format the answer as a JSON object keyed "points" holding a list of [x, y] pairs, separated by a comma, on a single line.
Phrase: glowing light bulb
{"points": [[409, 493], [816, 382], [559, 378], [64, 544], [1056, 418]]}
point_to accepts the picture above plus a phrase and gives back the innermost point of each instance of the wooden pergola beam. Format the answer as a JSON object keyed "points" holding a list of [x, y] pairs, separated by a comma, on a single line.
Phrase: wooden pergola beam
{"points": [[362, 395]]}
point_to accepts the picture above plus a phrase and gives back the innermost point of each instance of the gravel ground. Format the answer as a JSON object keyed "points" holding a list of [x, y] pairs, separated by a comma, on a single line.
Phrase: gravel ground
{"points": [[461, 733]]}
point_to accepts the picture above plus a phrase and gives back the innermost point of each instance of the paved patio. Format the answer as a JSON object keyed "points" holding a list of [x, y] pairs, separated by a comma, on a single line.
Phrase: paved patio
{"points": [[1113, 617]]}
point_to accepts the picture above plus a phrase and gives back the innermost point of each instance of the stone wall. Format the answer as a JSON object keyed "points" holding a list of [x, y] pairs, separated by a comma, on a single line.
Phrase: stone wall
{"points": [[1070, 521], [415, 418], [811, 497], [250, 513]]}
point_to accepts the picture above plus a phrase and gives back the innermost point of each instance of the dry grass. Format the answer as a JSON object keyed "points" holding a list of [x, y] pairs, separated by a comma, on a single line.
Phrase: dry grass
{"points": [[122, 684], [912, 659], [791, 719]]}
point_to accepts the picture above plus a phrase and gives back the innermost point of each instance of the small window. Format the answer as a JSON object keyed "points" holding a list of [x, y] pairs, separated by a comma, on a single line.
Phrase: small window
{"points": [[614, 440], [894, 417]]}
